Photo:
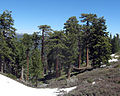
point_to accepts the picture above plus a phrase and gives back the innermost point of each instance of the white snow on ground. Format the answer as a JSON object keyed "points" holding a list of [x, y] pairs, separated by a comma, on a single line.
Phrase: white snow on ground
{"points": [[113, 58], [116, 56], [112, 55], [9, 87]]}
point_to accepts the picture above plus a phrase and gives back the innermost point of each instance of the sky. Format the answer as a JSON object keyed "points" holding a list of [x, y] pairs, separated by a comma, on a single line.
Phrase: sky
{"points": [[29, 14]]}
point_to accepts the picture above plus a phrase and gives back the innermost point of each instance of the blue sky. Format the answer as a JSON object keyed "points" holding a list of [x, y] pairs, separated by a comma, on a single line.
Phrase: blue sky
{"points": [[28, 14]]}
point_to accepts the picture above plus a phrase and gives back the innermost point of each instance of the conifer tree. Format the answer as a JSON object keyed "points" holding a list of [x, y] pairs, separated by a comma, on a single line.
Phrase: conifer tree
{"points": [[71, 29], [27, 42], [36, 66], [44, 30], [100, 47], [56, 48], [80, 44], [7, 34], [115, 43], [87, 18]]}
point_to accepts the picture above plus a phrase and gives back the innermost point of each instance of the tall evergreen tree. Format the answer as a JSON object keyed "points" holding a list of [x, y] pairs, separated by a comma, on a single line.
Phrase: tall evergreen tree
{"points": [[87, 18], [100, 47], [7, 34], [57, 46], [71, 28], [115, 43], [80, 44], [27, 42], [44, 30]]}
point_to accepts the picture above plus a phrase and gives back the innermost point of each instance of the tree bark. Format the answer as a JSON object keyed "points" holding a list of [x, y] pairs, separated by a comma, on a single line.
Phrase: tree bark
{"points": [[68, 74], [2, 67], [22, 73], [87, 49], [87, 60], [36, 81], [79, 59], [56, 67]]}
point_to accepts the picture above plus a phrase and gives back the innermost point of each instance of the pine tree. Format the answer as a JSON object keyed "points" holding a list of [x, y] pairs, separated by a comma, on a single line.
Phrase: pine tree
{"points": [[7, 34], [71, 29], [57, 46], [115, 44], [36, 67], [87, 30], [27, 42], [100, 47], [80, 45], [21, 58], [44, 30]]}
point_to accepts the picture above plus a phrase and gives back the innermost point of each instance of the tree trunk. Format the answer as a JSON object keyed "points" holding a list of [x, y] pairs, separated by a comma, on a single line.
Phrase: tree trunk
{"points": [[56, 67], [36, 81], [27, 67], [60, 69], [87, 42], [22, 73], [68, 74], [79, 60], [87, 60], [2, 67]]}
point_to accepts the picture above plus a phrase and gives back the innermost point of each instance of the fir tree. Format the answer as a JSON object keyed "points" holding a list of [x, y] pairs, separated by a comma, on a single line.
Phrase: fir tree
{"points": [[100, 47], [87, 18], [71, 29], [27, 42], [44, 30], [56, 48], [7, 38]]}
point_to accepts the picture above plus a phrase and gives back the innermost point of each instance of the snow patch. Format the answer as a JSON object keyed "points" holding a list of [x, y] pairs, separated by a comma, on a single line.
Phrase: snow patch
{"points": [[66, 89], [9, 87], [93, 83], [102, 66], [112, 60], [116, 56], [112, 55]]}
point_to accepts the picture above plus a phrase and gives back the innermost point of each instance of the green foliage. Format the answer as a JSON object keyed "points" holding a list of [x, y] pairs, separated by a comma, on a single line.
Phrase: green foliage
{"points": [[7, 39], [71, 30], [115, 43], [100, 47], [36, 68], [11, 76], [56, 47]]}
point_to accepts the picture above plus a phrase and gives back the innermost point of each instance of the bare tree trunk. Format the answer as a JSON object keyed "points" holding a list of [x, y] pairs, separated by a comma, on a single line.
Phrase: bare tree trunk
{"points": [[56, 67], [22, 73]]}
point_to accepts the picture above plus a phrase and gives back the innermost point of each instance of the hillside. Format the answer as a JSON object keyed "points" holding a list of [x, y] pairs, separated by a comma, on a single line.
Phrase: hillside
{"points": [[15, 88], [103, 81]]}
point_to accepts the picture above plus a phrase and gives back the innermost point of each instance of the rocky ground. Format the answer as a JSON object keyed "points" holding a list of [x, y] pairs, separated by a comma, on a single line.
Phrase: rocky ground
{"points": [[97, 82]]}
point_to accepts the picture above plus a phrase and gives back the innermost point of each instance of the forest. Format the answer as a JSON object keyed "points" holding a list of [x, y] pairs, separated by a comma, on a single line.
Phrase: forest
{"points": [[83, 42]]}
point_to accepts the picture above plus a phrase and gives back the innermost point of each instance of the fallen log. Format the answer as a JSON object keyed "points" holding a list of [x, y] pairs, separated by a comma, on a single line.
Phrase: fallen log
{"points": [[81, 68]]}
